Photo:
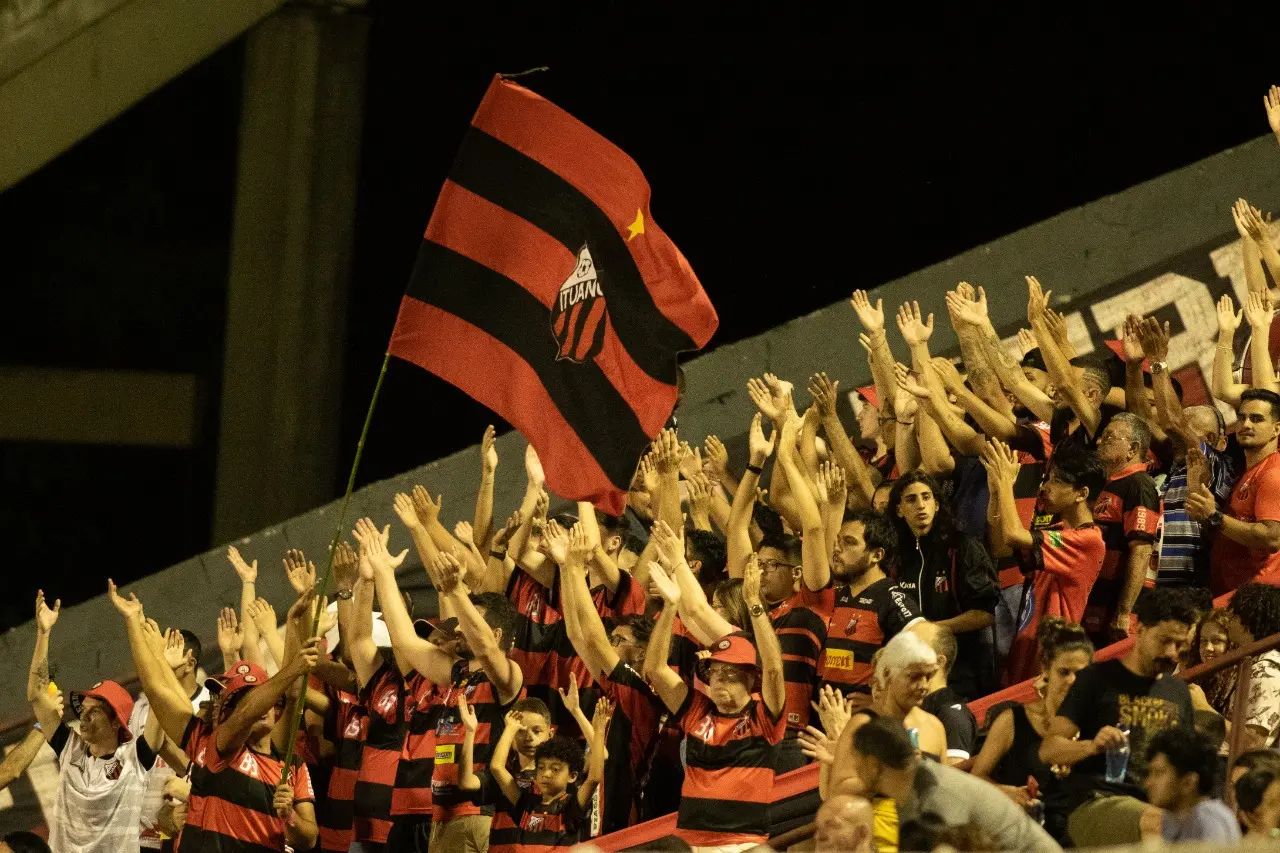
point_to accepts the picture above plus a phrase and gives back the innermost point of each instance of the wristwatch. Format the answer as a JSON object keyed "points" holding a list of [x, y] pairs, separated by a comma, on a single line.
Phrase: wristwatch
{"points": [[343, 594], [1159, 367], [757, 610], [1214, 520]]}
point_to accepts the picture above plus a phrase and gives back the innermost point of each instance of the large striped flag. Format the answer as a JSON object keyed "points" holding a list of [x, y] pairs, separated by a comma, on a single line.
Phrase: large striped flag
{"points": [[545, 290]]}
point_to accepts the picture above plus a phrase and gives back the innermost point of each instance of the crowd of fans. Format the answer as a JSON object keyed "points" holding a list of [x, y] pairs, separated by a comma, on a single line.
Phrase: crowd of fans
{"points": [[992, 519]]}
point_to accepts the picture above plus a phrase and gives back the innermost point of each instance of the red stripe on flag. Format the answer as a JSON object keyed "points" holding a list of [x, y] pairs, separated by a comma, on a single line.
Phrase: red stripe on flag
{"points": [[604, 173], [472, 226], [443, 344]]}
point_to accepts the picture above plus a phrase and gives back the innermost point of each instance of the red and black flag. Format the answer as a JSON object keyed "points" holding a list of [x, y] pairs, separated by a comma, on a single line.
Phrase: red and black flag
{"points": [[545, 290]]}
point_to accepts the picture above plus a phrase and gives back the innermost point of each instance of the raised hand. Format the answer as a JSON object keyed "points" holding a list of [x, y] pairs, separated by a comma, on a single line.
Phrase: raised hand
{"points": [[427, 510], [817, 745], [1248, 220], [488, 452], [153, 636], [1228, 316], [533, 468], [248, 572], [647, 473], [405, 511], [1027, 342], [129, 608], [823, 391], [914, 329], [1131, 338], [1154, 337], [46, 617], [300, 571], [971, 311], [580, 545], [780, 391], [870, 316], [503, 536], [946, 372], [230, 635], [908, 383], [373, 546], [1197, 466], [666, 452], [446, 571], [757, 445], [515, 720], [831, 484], [1258, 312], [555, 542], [834, 711], [1271, 103], [669, 544], [1037, 300], [464, 533], [175, 648], [751, 582], [570, 697], [601, 716], [665, 586], [307, 657], [264, 615], [1001, 463], [699, 493], [466, 713], [1200, 502], [715, 456], [346, 565]]}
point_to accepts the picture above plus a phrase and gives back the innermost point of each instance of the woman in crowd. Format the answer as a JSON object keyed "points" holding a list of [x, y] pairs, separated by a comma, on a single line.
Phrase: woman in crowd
{"points": [[1210, 640], [1010, 757]]}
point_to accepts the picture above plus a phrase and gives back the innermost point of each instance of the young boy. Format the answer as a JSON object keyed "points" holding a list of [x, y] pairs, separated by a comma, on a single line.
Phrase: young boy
{"points": [[554, 814], [504, 833]]}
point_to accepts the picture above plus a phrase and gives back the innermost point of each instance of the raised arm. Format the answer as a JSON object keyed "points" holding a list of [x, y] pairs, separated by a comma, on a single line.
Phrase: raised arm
{"points": [[1064, 377], [1169, 415], [815, 556], [1223, 384], [1271, 103], [1258, 312], [378, 568], [715, 461], [1002, 468], [581, 620], [671, 688], [482, 521], [497, 767], [879, 355], [738, 537], [1135, 384], [973, 316], [230, 637], [1255, 241], [172, 711], [698, 614], [598, 755], [833, 494], [608, 568], [572, 702], [906, 450], [38, 675], [264, 619], [233, 732], [20, 758], [467, 778], [248, 574], [505, 674], [857, 474], [935, 455], [773, 687]]}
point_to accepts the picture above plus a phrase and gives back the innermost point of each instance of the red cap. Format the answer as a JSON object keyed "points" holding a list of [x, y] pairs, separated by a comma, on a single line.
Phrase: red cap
{"points": [[868, 393], [735, 649], [116, 698], [241, 676]]}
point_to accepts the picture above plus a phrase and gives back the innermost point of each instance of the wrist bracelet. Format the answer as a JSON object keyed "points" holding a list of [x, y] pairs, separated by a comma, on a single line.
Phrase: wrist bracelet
{"points": [[498, 555], [755, 469], [906, 423]]}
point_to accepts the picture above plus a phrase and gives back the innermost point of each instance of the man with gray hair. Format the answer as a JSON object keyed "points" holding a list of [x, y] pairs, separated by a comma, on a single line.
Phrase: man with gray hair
{"points": [[1127, 511]]}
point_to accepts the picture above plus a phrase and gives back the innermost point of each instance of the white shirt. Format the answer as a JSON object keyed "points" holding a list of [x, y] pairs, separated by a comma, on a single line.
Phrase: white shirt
{"points": [[99, 799], [149, 836]]}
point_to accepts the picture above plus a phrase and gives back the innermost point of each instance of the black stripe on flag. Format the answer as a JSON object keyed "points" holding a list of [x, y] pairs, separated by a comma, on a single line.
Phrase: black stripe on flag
{"points": [[495, 304], [504, 176]]}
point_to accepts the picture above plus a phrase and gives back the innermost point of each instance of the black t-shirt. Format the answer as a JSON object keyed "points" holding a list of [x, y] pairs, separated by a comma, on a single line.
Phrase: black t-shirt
{"points": [[1080, 437], [1108, 694], [962, 729]]}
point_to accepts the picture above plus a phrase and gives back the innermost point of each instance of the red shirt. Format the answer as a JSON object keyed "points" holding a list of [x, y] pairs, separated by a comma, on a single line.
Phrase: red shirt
{"points": [[1256, 497], [238, 794]]}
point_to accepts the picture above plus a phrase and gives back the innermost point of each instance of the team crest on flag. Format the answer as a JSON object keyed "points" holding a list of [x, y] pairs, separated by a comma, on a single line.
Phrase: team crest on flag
{"points": [[579, 313]]}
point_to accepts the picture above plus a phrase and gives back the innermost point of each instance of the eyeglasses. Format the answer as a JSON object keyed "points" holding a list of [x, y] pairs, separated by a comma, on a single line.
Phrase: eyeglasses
{"points": [[773, 565], [616, 640]]}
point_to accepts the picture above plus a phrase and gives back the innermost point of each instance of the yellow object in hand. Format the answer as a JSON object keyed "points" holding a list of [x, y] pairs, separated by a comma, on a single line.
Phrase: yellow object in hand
{"points": [[53, 689]]}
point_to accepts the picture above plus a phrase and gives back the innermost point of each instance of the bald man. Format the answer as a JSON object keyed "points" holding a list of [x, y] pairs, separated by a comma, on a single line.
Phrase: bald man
{"points": [[943, 702], [844, 825]]}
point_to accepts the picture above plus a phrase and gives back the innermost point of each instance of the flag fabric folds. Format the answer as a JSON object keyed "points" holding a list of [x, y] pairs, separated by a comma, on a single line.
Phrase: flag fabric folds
{"points": [[545, 290]]}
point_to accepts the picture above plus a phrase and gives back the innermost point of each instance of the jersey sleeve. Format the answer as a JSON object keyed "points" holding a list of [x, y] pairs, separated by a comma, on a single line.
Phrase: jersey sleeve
{"points": [[897, 611], [1142, 509], [771, 729], [146, 755], [61, 737], [301, 779], [978, 588], [1266, 506]]}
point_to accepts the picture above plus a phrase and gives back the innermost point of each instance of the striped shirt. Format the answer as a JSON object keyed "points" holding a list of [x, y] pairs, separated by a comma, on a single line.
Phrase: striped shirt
{"points": [[633, 734], [1127, 510], [547, 826], [728, 780], [1184, 558], [99, 798], [860, 625], [801, 625], [346, 726], [412, 794], [383, 698], [447, 799]]}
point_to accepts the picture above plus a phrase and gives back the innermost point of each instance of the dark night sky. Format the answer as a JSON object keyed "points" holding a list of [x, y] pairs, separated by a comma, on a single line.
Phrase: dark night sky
{"points": [[792, 160]]}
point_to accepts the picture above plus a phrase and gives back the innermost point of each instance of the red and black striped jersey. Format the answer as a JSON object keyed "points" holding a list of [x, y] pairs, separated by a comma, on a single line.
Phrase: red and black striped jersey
{"points": [[801, 625], [448, 801], [860, 625], [504, 832], [346, 725], [383, 698], [633, 736], [549, 826], [197, 742], [412, 794], [239, 791], [1128, 509], [728, 779]]}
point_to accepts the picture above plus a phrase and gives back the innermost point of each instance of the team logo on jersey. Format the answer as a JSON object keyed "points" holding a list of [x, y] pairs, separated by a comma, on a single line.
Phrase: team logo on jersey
{"points": [[940, 584], [794, 719], [114, 768], [1102, 506], [742, 727], [579, 314], [386, 701], [352, 731], [706, 731], [248, 766], [533, 823], [851, 626]]}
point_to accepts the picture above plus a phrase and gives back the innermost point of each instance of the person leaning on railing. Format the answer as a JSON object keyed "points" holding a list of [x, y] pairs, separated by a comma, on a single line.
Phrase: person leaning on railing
{"points": [[1257, 610]]}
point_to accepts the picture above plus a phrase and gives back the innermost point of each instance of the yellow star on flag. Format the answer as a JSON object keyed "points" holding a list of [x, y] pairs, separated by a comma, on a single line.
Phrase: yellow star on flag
{"points": [[637, 227]]}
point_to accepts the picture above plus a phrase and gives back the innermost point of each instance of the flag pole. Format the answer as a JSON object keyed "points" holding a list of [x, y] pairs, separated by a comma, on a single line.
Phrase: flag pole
{"points": [[322, 586]]}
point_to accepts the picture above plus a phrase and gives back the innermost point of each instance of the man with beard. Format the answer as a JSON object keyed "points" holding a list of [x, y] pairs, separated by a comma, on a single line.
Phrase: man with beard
{"points": [[1119, 705], [870, 609], [1247, 547]]}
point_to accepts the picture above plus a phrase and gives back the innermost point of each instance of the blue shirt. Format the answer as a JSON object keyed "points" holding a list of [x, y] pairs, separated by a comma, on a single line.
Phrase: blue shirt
{"points": [[1208, 820]]}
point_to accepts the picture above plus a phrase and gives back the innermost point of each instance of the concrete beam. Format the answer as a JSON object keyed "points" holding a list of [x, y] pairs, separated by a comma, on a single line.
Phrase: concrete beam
{"points": [[290, 264], [99, 407], [69, 67]]}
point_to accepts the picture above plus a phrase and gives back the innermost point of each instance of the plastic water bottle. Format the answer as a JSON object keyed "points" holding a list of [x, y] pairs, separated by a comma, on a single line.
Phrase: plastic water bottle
{"points": [[1118, 760], [914, 734]]}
